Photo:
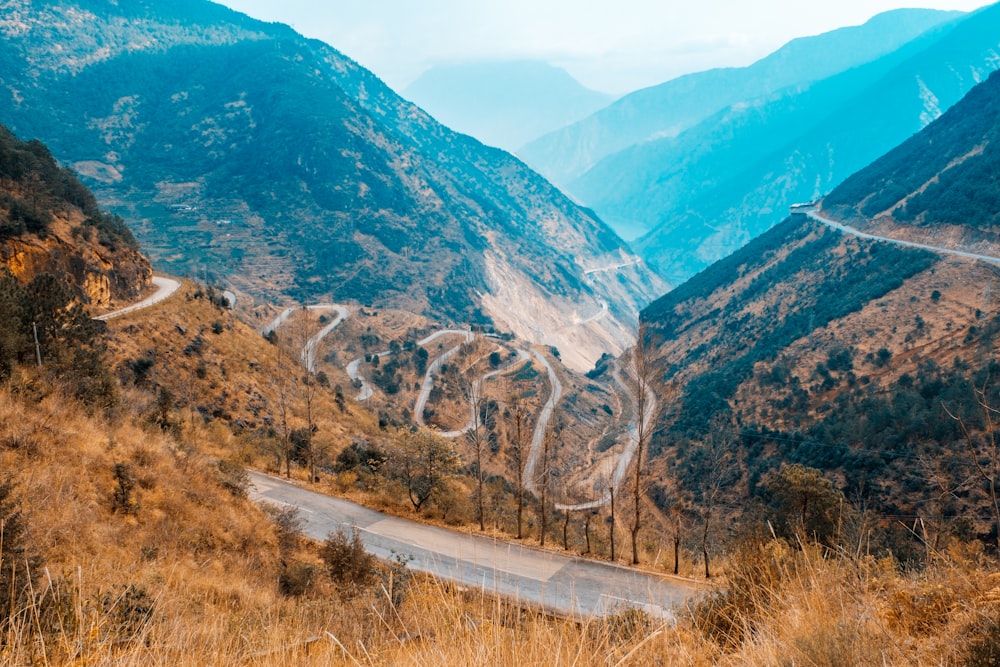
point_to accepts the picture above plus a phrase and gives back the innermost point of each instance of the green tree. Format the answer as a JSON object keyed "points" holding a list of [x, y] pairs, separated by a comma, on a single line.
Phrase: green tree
{"points": [[422, 461], [805, 504]]}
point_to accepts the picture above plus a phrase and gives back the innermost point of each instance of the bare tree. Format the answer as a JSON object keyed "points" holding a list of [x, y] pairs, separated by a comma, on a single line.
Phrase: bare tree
{"points": [[517, 444], [307, 391], [645, 384], [611, 524], [550, 436], [282, 384], [716, 467], [478, 438], [984, 452], [677, 515], [565, 530], [607, 485]]}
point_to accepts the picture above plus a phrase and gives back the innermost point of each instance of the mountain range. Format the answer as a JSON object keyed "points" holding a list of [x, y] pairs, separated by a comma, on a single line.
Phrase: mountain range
{"points": [[700, 195], [504, 104], [247, 154], [848, 354], [668, 109], [732, 177]]}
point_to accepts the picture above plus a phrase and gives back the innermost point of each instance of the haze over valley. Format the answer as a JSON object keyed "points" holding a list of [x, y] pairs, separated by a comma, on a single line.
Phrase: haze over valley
{"points": [[300, 365]]}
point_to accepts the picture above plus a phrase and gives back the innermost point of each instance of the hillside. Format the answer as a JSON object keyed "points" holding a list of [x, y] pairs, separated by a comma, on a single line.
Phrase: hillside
{"points": [[719, 184], [128, 536], [254, 157], [857, 357], [50, 223], [768, 155], [504, 104], [670, 108], [940, 182]]}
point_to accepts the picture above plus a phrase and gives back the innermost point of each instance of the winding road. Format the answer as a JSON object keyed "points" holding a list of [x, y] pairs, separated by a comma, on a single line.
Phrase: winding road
{"points": [[354, 368], [554, 581], [814, 215], [308, 354], [165, 288], [537, 440], [433, 369], [478, 392], [625, 459]]}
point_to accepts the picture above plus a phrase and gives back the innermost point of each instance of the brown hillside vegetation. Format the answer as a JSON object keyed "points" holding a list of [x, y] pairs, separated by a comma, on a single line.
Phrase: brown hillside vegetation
{"points": [[193, 368], [858, 358], [183, 571]]}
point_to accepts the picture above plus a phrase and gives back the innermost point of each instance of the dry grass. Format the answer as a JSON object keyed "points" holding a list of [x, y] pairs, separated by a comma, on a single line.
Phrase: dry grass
{"points": [[191, 578]]}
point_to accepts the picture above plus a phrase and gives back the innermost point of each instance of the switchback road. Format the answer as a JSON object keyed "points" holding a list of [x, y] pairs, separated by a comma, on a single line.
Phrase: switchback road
{"points": [[309, 351], [165, 288], [625, 458], [554, 581]]}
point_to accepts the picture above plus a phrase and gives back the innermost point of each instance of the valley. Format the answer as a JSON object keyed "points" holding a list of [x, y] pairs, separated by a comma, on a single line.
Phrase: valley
{"points": [[404, 400], [489, 368]]}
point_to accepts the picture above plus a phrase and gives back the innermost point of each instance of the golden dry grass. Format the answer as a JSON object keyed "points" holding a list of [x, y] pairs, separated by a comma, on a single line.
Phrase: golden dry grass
{"points": [[206, 564]]}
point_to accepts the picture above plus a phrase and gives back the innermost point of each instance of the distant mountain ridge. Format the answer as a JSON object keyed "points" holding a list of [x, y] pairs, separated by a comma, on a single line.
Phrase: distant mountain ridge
{"points": [[504, 104], [945, 176], [245, 152], [719, 184], [668, 109]]}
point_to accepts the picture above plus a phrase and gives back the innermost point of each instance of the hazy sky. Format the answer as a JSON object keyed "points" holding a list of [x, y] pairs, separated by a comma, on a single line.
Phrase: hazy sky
{"points": [[610, 46]]}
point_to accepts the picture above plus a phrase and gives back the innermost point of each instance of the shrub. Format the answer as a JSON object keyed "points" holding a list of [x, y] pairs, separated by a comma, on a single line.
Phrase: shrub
{"points": [[122, 499], [347, 562], [296, 578], [234, 478], [19, 564]]}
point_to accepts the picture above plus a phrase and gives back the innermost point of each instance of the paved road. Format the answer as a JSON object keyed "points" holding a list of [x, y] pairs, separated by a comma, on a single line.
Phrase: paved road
{"points": [[479, 392], [613, 267], [530, 479], [309, 351], [165, 288], [631, 445], [557, 582], [813, 214], [433, 369], [354, 372]]}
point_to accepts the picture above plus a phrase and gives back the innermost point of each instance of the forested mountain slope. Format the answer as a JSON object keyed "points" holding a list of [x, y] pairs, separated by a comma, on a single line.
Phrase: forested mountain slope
{"points": [[860, 358], [251, 155], [716, 186], [939, 180]]}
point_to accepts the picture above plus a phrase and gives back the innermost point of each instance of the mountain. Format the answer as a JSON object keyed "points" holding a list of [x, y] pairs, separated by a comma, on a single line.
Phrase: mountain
{"points": [[505, 104], [847, 354], [51, 224], [940, 180], [249, 154], [668, 109], [719, 184]]}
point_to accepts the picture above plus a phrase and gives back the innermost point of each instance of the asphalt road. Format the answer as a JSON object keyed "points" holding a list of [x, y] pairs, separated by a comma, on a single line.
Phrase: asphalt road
{"points": [[165, 287], [554, 581], [631, 446], [434, 369], [907, 244]]}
